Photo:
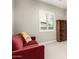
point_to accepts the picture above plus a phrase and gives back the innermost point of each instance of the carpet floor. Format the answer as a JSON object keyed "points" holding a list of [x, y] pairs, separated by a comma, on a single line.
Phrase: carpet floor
{"points": [[56, 50]]}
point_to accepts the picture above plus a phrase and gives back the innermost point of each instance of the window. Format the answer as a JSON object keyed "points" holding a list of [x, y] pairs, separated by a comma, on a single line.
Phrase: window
{"points": [[46, 21]]}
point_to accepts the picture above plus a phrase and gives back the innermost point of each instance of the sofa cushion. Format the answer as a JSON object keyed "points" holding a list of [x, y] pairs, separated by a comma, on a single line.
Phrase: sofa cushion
{"points": [[31, 43], [31, 46], [17, 42]]}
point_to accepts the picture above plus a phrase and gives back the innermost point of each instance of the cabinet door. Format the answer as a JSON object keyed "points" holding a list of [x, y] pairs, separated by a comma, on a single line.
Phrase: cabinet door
{"points": [[58, 30], [63, 30]]}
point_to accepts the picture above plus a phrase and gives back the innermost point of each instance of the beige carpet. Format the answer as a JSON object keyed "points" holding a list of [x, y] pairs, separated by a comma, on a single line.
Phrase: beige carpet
{"points": [[56, 50]]}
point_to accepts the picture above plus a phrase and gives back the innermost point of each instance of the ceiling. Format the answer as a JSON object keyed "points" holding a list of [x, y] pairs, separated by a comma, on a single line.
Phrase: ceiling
{"points": [[58, 3]]}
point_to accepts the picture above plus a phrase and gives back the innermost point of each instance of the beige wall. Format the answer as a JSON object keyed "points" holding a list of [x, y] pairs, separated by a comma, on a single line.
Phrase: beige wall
{"points": [[65, 14], [26, 18]]}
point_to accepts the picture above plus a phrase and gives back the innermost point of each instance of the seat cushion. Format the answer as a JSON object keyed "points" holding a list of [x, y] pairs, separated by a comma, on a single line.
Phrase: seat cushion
{"points": [[32, 42], [17, 42], [31, 46]]}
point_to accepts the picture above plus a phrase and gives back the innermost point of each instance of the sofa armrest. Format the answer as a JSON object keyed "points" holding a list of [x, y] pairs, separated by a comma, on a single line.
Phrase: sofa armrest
{"points": [[36, 52]]}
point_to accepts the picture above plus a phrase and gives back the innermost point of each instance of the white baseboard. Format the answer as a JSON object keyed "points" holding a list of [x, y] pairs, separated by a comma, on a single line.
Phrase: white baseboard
{"points": [[48, 42]]}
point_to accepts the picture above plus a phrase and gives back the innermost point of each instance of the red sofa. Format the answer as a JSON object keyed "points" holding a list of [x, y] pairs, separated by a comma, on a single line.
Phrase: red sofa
{"points": [[22, 50]]}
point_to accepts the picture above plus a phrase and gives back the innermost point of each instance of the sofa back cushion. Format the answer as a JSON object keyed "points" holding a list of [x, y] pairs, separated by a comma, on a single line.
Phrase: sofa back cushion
{"points": [[17, 42]]}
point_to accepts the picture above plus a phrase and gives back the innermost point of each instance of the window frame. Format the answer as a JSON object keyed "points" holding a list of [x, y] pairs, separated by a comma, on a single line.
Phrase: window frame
{"points": [[40, 26]]}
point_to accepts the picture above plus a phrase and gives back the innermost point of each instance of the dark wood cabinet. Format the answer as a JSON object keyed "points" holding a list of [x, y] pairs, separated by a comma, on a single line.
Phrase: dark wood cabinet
{"points": [[61, 30]]}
